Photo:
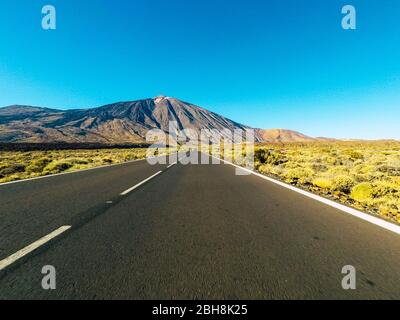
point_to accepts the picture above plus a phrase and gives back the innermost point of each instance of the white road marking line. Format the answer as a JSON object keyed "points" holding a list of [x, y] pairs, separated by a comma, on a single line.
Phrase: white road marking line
{"points": [[140, 183], [364, 216], [172, 164], [23, 252]]}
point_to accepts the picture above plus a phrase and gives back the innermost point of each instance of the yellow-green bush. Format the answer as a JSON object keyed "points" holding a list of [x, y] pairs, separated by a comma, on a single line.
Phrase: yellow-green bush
{"points": [[37, 166], [362, 192], [19, 165], [57, 166], [298, 175], [363, 174], [323, 183], [342, 183]]}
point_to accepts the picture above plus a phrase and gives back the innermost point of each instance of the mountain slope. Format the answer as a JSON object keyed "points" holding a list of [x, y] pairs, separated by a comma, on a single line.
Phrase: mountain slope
{"points": [[116, 123], [122, 122], [281, 135]]}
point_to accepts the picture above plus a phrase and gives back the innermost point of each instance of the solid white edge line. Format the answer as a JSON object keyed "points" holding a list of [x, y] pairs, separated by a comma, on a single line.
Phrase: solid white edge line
{"points": [[76, 171], [364, 216], [139, 184], [28, 249], [172, 164]]}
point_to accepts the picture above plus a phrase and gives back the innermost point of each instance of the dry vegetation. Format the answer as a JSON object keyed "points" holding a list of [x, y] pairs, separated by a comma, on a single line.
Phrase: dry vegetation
{"points": [[365, 175], [17, 165]]}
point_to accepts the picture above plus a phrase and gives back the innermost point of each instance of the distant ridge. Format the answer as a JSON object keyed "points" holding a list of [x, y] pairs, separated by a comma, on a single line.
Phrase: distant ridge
{"points": [[121, 122], [282, 135]]}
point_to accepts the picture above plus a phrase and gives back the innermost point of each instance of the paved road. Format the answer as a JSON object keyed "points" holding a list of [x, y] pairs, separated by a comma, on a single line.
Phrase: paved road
{"points": [[193, 231]]}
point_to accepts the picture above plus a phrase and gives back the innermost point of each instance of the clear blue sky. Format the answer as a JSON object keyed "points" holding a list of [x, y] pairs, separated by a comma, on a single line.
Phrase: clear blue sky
{"points": [[269, 64]]}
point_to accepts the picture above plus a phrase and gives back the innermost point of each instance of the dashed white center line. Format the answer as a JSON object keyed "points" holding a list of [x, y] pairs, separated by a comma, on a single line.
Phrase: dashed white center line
{"points": [[23, 252], [139, 184], [32, 247]]}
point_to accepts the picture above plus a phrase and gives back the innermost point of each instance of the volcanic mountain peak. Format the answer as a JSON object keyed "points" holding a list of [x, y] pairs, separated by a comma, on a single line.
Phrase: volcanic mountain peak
{"points": [[121, 122], [161, 98]]}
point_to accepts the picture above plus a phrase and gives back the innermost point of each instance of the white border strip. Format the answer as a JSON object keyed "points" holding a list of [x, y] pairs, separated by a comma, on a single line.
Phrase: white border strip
{"points": [[23, 252], [374, 220], [139, 184], [172, 164]]}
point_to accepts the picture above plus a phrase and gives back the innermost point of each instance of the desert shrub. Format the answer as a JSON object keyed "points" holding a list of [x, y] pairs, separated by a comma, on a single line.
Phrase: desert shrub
{"points": [[390, 207], [264, 168], [277, 158], [353, 154], [277, 170], [260, 155], [257, 164], [396, 181], [357, 163], [342, 184], [364, 169], [16, 165], [12, 169], [57, 166], [38, 165], [274, 157], [331, 160], [270, 169], [389, 170], [362, 192], [338, 170], [384, 188], [298, 175], [319, 167], [323, 182], [78, 161]]}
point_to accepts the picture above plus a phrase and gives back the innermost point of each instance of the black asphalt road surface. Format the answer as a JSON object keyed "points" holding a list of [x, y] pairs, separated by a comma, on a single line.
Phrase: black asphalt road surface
{"points": [[192, 232]]}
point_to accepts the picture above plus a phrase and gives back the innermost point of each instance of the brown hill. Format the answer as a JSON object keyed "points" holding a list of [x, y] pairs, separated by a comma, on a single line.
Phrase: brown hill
{"points": [[282, 135]]}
